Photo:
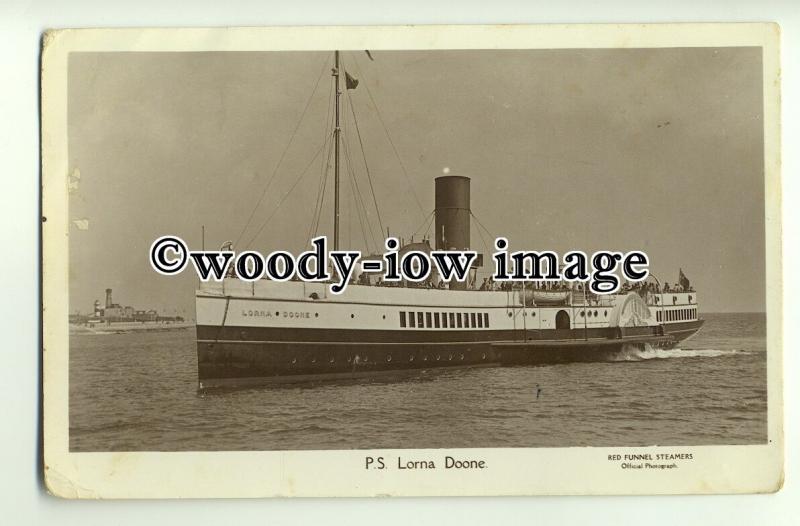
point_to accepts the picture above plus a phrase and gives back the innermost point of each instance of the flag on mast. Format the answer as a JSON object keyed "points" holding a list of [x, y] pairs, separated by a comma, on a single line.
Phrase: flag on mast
{"points": [[350, 81], [683, 280]]}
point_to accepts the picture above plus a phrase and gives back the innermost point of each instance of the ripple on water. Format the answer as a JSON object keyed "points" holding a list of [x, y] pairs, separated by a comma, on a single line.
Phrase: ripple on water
{"points": [[138, 392]]}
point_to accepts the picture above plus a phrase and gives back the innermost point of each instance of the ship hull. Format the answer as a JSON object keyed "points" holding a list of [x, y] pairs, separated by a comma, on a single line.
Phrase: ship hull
{"points": [[245, 356]]}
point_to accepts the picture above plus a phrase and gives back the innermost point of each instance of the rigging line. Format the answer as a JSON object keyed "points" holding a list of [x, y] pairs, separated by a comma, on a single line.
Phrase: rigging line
{"points": [[430, 224], [358, 198], [327, 173], [483, 240], [351, 164], [481, 224], [320, 195], [424, 222], [277, 207], [360, 195], [325, 169], [318, 202], [386, 130], [426, 225], [366, 166], [358, 210], [283, 155]]}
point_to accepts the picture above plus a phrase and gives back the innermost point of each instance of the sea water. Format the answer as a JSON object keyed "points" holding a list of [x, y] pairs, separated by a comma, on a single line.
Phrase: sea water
{"points": [[138, 391]]}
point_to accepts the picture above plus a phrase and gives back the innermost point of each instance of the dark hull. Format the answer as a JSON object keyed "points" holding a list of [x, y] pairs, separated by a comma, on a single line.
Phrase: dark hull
{"points": [[231, 356]]}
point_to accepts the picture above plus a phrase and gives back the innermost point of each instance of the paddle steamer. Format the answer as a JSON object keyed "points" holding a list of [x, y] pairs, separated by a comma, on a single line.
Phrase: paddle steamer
{"points": [[267, 331]]}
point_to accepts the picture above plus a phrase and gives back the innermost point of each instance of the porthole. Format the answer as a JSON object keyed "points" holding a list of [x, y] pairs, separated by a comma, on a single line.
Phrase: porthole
{"points": [[388, 357], [595, 313], [533, 314], [384, 316], [438, 357], [316, 314], [294, 360], [605, 313], [425, 358], [461, 356], [332, 359], [314, 360], [509, 314], [411, 358], [277, 313], [349, 359], [583, 314], [450, 357], [483, 356], [352, 316]]}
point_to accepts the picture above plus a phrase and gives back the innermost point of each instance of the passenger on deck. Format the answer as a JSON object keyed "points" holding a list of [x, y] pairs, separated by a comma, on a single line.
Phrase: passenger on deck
{"points": [[485, 285]]}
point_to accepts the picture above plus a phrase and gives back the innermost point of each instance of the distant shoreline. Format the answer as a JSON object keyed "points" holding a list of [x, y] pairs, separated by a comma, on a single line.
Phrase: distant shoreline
{"points": [[127, 327]]}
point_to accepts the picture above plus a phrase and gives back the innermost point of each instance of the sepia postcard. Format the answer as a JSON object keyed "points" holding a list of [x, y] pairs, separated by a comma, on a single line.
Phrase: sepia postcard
{"points": [[412, 261]]}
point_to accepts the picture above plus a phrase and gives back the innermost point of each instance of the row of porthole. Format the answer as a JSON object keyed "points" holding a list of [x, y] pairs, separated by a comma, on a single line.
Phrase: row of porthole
{"points": [[316, 315], [365, 359], [605, 313], [589, 313]]}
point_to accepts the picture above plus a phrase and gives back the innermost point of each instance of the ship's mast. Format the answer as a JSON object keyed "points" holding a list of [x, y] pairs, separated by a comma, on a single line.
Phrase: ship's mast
{"points": [[336, 131]]}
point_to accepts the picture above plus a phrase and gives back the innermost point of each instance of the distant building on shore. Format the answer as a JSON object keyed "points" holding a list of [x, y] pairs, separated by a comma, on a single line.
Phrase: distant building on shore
{"points": [[115, 313]]}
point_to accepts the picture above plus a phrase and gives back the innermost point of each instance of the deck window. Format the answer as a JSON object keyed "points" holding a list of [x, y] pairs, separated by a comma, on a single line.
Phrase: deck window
{"points": [[466, 320], [420, 320], [472, 318], [411, 319], [428, 320], [402, 318], [486, 319], [458, 320], [436, 320], [480, 320], [444, 320]]}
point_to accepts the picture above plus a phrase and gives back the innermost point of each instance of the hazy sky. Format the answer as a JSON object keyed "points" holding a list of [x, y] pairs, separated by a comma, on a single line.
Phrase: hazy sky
{"points": [[652, 149]]}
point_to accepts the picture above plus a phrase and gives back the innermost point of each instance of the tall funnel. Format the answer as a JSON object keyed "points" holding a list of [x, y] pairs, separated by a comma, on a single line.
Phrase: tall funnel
{"points": [[452, 216], [108, 298]]}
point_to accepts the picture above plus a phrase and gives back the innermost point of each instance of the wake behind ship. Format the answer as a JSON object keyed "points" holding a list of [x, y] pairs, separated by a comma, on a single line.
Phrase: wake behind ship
{"points": [[267, 331]]}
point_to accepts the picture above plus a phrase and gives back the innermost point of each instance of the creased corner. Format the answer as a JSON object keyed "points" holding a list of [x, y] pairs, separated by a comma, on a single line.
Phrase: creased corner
{"points": [[58, 485]]}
